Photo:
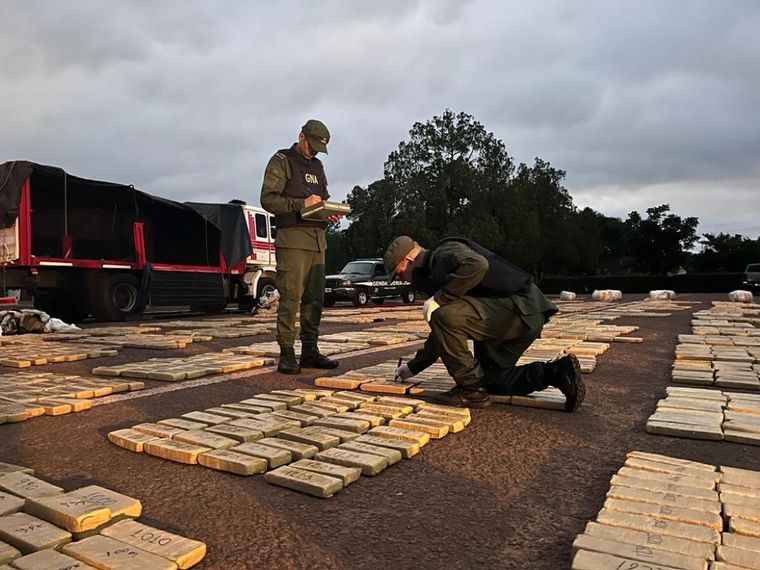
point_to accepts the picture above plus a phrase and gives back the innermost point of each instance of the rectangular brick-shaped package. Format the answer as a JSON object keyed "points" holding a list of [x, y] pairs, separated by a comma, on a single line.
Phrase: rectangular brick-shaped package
{"points": [[184, 552], [315, 484], [130, 439], [109, 554]]}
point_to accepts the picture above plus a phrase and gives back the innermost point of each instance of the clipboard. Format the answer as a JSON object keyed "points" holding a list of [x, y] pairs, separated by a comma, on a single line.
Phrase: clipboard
{"points": [[324, 209]]}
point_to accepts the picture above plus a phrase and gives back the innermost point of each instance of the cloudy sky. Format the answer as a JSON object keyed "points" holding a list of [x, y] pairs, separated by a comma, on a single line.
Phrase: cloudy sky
{"points": [[642, 102]]}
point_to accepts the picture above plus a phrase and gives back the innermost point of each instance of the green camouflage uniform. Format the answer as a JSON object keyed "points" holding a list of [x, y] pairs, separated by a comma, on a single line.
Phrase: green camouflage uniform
{"points": [[300, 244], [502, 328]]}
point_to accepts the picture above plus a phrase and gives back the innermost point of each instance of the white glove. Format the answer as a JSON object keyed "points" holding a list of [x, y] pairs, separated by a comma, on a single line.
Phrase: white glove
{"points": [[429, 307], [402, 373]]}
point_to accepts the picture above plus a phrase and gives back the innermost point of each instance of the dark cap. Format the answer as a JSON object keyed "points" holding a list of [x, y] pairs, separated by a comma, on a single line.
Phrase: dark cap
{"points": [[395, 254], [317, 134]]}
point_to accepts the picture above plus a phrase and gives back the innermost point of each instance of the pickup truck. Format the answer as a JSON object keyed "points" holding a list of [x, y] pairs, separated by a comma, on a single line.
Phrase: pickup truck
{"points": [[752, 277], [363, 280]]}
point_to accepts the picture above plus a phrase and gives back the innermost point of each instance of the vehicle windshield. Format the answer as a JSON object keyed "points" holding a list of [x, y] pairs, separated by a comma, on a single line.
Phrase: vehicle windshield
{"points": [[358, 267], [755, 267]]}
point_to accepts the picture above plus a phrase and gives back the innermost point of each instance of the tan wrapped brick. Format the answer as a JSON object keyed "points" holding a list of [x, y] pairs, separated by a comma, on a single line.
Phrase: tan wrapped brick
{"points": [[27, 486], [658, 525], [407, 449], [667, 512], [8, 553], [346, 474], [312, 410], [130, 439], [352, 425], [687, 480], [385, 410], [648, 539], [237, 433], [414, 436], [664, 487], [372, 419], [206, 439], [184, 552], [208, 419], [650, 555], [70, 511], [303, 419], [339, 383], [77, 404], [371, 465], [30, 534], [393, 456], [109, 554], [181, 423], [670, 499], [307, 397], [178, 451], [320, 440], [287, 399], [6, 468], [158, 430], [588, 560], [309, 482], [263, 403], [738, 490], [464, 412], [731, 510], [671, 460], [254, 410], [232, 462], [273, 456], [744, 527], [330, 407], [454, 424], [434, 431], [739, 541], [49, 560], [414, 403], [230, 412], [10, 504], [738, 556], [341, 434], [121, 506], [740, 477], [296, 449], [338, 401], [268, 427], [682, 470]]}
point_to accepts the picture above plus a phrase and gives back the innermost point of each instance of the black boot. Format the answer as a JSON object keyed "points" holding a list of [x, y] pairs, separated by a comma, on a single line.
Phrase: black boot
{"points": [[311, 358], [470, 396], [288, 364], [565, 373]]}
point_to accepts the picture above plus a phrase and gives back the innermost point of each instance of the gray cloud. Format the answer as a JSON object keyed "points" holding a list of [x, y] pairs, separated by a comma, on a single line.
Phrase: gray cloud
{"points": [[641, 102]]}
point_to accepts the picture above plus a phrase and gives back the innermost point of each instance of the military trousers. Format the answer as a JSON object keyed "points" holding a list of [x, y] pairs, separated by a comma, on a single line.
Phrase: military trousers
{"points": [[300, 281], [500, 336]]}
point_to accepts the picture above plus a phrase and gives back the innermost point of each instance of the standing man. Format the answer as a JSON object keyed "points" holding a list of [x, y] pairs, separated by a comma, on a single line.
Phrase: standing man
{"points": [[294, 179], [475, 294]]}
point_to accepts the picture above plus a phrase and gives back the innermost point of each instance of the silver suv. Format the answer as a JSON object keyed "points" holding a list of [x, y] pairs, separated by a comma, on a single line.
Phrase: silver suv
{"points": [[752, 277]]}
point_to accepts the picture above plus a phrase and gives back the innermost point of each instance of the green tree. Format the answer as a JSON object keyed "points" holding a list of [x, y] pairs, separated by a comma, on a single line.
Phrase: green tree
{"points": [[660, 242], [726, 252]]}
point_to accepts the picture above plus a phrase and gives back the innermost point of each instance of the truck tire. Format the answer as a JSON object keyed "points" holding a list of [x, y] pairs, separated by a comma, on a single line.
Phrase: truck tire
{"points": [[264, 286], [408, 296], [69, 308], [361, 298], [116, 297]]}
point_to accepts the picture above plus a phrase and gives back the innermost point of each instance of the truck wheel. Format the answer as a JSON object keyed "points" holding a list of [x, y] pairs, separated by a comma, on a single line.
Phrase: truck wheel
{"points": [[329, 303], [408, 296], [378, 301], [361, 298], [264, 286], [116, 297]]}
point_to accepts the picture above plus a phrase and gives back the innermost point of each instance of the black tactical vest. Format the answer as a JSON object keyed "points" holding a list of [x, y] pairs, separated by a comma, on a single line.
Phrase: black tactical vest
{"points": [[502, 279], [307, 177]]}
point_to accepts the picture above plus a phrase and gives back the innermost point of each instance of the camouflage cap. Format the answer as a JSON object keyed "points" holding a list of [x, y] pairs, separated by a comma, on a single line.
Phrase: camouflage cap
{"points": [[395, 254], [317, 134]]}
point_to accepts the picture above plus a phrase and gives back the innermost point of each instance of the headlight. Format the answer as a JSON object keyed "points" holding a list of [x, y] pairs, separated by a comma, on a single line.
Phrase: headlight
{"points": [[345, 283]]}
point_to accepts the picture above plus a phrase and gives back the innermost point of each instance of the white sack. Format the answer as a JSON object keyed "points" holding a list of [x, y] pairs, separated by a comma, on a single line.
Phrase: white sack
{"points": [[566, 296]]}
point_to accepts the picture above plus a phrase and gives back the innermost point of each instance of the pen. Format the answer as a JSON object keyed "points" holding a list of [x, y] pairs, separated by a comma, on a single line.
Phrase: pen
{"points": [[395, 377]]}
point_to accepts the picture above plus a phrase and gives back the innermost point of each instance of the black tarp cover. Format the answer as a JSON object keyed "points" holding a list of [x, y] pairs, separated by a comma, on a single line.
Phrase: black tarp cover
{"points": [[230, 219], [98, 216]]}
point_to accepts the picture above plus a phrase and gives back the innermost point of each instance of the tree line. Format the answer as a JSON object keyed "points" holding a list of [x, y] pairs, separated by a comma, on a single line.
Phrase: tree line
{"points": [[453, 177]]}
